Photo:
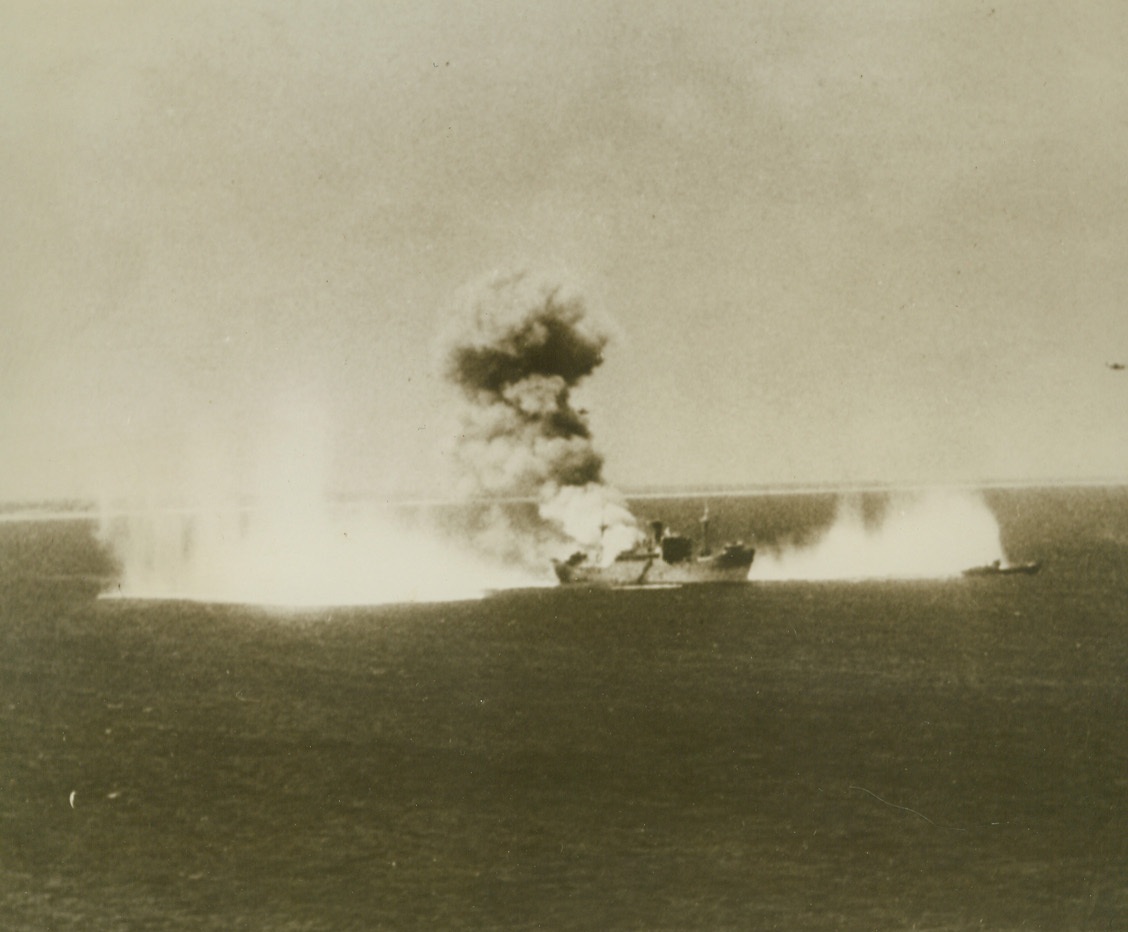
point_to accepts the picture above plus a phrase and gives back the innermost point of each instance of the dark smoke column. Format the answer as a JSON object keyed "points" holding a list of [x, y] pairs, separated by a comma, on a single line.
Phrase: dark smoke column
{"points": [[519, 346]]}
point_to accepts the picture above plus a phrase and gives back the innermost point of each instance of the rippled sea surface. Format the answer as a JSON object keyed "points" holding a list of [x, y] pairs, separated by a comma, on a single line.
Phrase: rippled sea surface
{"points": [[946, 754]]}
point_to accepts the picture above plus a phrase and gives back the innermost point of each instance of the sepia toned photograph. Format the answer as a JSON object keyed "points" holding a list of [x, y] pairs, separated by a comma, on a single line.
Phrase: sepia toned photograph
{"points": [[590, 465]]}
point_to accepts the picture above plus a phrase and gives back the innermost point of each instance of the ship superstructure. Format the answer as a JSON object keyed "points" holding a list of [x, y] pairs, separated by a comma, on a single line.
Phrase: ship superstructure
{"points": [[664, 558]]}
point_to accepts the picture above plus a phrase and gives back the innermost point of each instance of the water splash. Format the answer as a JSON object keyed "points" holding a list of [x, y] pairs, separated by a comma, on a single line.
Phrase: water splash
{"points": [[270, 555], [925, 535], [262, 530]]}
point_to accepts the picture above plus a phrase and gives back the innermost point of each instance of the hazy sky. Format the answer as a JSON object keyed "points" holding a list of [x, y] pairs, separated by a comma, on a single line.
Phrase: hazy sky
{"points": [[842, 242]]}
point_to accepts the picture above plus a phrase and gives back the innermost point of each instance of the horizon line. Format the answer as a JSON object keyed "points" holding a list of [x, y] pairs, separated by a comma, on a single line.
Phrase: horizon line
{"points": [[67, 508]]}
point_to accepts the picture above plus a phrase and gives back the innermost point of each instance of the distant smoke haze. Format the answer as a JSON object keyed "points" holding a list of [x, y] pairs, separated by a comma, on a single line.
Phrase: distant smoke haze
{"points": [[519, 344]]}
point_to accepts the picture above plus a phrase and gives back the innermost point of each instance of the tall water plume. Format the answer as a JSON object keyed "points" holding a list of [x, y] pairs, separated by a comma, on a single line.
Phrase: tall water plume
{"points": [[261, 528]]}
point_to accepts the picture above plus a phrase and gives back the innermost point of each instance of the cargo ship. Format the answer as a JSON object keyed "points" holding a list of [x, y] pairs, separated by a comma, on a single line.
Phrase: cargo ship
{"points": [[664, 559]]}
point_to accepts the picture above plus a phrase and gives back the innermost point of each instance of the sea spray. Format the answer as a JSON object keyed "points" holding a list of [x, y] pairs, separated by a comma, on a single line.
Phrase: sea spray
{"points": [[275, 536], [260, 556], [916, 535]]}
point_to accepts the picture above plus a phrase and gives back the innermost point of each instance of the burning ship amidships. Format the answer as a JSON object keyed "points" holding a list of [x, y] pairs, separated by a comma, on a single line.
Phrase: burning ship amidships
{"points": [[664, 559]]}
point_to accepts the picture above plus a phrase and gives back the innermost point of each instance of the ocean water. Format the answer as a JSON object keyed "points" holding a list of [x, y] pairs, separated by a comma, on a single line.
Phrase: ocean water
{"points": [[939, 754]]}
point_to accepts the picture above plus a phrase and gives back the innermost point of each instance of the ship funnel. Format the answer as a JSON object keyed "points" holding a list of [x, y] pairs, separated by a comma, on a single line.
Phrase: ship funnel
{"points": [[657, 531]]}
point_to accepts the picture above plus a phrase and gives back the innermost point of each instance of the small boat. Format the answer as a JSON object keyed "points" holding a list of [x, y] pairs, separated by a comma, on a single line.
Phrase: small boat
{"points": [[996, 568]]}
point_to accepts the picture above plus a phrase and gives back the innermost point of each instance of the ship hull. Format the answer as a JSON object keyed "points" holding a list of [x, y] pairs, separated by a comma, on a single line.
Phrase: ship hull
{"points": [[654, 571], [1021, 569]]}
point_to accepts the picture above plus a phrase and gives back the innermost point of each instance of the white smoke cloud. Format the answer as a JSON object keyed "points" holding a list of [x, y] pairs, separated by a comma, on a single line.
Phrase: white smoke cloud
{"points": [[593, 516]]}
